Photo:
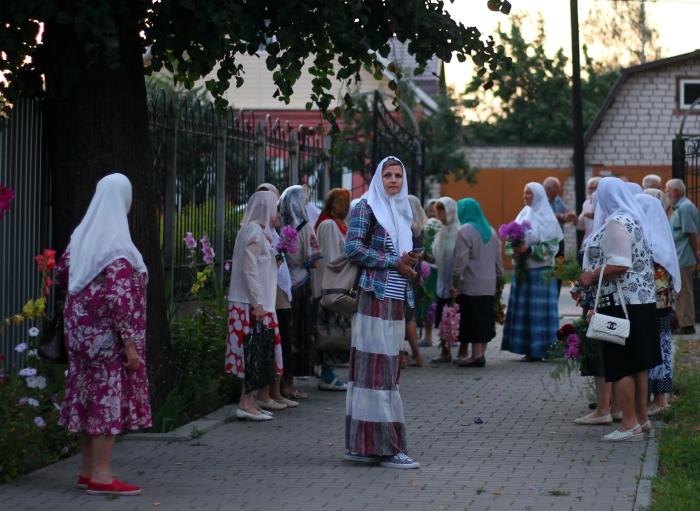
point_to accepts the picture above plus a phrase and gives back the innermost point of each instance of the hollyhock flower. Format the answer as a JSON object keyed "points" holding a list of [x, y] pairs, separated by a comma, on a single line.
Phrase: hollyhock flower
{"points": [[32, 402], [23, 401], [46, 261], [6, 195], [207, 250], [33, 331], [47, 287], [424, 269], [21, 347], [190, 242], [27, 371], [39, 422], [36, 382]]}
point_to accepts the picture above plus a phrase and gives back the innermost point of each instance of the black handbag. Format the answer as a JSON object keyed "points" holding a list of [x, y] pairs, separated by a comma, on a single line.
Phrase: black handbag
{"points": [[259, 355], [52, 346], [333, 331]]}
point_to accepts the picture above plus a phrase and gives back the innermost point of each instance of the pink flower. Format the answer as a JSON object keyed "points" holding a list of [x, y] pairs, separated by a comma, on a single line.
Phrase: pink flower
{"points": [[573, 340], [190, 242], [227, 267], [424, 269], [288, 240], [572, 352], [514, 231], [6, 195], [207, 250]]}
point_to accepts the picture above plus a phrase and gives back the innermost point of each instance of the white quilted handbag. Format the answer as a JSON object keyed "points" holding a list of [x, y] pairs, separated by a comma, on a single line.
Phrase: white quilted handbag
{"points": [[609, 328]]}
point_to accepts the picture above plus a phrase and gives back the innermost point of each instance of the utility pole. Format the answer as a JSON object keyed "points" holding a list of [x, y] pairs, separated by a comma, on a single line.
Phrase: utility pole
{"points": [[577, 112]]}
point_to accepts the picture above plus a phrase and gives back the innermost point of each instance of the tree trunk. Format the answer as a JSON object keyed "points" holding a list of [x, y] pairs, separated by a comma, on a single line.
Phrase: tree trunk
{"points": [[96, 123]]}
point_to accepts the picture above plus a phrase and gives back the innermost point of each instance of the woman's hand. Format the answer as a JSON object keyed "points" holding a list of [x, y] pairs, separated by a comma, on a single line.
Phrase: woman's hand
{"points": [[315, 264], [259, 313], [410, 258], [589, 315], [132, 357], [453, 292], [586, 279], [405, 269], [589, 214]]}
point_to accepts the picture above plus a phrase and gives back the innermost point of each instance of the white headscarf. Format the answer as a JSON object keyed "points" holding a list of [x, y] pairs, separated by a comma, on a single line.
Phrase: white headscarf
{"points": [[292, 206], [393, 212], [284, 279], [545, 226], [445, 239], [634, 188], [103, 236], [661, 237], [665, 203], [261, 210], [613, 197]]}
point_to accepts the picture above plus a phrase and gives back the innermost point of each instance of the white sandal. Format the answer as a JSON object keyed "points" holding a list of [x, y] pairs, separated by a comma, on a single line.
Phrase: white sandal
{"points": [[650, 433], [623, 436]]}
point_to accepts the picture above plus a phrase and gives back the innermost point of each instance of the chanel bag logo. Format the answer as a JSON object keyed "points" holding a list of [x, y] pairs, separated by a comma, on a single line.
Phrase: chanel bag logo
{"points": [[612, 325]]}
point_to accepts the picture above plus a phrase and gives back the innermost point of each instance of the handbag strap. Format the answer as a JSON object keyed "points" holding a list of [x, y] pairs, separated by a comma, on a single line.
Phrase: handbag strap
{"points": [[619, 292]]}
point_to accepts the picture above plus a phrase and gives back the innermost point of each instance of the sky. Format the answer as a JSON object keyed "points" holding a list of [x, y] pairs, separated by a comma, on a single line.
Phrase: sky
{"points": [[677, 21]]}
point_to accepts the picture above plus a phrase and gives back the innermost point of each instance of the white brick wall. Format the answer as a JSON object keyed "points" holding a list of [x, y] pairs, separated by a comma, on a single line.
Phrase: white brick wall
{"points": [[641, 121], [518, 156]]}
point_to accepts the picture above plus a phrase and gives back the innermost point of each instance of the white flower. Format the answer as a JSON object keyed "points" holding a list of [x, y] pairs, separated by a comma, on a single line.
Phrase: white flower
{"points": [[27, 371], [39, 422], [21, 347], [57, 406], [32, 353], [36, 382], [66, 372], [33, 331], [33, 402]]}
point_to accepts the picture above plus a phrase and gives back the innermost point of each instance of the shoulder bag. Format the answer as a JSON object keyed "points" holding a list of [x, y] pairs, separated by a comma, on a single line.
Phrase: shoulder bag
{"points": [[259, 357], [341, 280], [52, 346], [609, 328]]}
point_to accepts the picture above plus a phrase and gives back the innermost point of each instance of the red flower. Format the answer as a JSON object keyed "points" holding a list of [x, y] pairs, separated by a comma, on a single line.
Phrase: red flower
{"points": [[47, 287], [566, 331], [6, 196], [46, 261], [2, 357]]}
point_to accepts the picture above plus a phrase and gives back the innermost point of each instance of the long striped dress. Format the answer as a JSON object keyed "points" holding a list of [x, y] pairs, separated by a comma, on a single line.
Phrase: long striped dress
{"points": [[374, 418]]}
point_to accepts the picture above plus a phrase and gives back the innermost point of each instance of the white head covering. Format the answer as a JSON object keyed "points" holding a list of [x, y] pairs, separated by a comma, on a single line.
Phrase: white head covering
{"points": [[284, 279], [103, 236], [665, 203], [613, 197], [261, 210], [661, 237], [445, 239], [419, 216], [634, 188], [292, 206], [545, 225], [393, 212]]}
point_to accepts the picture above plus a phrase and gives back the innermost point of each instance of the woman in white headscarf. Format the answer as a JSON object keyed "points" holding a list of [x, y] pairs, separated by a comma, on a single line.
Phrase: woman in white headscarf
{"points": [[620, 248], [444, 249], [375, 430], [667, 281], [105, 331], [252, 294], [532, 317], [665, 203], [292, 206]]}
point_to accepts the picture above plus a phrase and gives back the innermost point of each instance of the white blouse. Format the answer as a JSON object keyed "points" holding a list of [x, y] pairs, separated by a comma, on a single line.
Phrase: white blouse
{"points": [[254, 270], [620, 243]]}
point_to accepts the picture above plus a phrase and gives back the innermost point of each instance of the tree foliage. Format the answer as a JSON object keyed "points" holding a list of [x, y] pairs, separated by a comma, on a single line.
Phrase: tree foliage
{"points": [[623, 32], [531, 102], [189, 38]]}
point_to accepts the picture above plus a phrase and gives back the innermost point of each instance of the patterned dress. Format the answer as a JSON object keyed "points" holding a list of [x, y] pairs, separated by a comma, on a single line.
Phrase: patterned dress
{"points": [[101, 398], [661, 376]]}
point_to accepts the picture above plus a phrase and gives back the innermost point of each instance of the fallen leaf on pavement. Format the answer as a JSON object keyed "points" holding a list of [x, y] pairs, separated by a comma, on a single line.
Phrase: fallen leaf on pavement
{"points": [[413, 484], [603, 461], [497, 493], [329, 444], [496, 384], [179, 463], [461, 401]]}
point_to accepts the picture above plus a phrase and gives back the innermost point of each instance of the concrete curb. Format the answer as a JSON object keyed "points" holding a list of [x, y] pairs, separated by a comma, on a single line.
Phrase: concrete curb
{"points": [[642, 500], [185, 433]]}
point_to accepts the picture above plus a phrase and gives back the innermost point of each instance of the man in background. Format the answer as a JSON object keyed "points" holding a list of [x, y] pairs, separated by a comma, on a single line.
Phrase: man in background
{"points": [[652, 181], [552, 188], [684, 226]]}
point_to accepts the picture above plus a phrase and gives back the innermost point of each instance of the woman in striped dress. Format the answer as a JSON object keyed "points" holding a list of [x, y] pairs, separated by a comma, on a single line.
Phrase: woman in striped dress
{"points": [[375, 430]]}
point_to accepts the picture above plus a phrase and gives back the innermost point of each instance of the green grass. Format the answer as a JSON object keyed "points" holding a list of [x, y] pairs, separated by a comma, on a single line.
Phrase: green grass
{"points": [[677, 485]]}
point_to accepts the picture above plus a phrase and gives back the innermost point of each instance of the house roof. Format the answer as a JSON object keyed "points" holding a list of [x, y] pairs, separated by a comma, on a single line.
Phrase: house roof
{"points": [[407, 62], [624, 74]]}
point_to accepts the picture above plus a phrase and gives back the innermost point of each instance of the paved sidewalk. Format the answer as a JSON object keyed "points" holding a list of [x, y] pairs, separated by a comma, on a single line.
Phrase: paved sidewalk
{"points": [[527, 454]]}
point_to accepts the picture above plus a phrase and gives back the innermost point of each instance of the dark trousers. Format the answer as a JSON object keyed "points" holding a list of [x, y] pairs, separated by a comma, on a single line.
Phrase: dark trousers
{"points": [[560, 253]]}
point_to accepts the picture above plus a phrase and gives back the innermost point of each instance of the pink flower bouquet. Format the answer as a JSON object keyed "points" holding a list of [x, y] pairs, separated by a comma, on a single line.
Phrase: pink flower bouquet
{"points": [[449, 326], [287, 242]]}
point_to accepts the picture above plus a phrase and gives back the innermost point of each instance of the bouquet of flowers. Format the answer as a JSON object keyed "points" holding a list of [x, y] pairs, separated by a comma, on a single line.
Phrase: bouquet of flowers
{"points": [[499, 308], [431, 230], [566, 271], [573, 350], [287, 243], [430, 313], [449, 326], [514, 233]]}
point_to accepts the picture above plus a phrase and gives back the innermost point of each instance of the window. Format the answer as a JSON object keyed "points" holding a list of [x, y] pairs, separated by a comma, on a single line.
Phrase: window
{"points": [[688, 91]]}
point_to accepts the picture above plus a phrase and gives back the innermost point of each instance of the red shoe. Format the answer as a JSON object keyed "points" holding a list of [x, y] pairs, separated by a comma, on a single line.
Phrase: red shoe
{"points": [[115, 488], [83, 482]]}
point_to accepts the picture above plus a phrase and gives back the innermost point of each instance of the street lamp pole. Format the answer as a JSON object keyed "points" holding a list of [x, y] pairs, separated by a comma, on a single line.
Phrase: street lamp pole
{"points": [[577, 112]]}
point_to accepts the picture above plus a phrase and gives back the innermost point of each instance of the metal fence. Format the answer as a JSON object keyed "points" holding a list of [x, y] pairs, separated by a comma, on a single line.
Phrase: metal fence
{"points": [[25, 229], [208, 169]]}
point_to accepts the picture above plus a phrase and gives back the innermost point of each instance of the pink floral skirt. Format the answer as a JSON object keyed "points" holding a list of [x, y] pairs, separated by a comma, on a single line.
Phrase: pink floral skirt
{"points": [[239, 325]]}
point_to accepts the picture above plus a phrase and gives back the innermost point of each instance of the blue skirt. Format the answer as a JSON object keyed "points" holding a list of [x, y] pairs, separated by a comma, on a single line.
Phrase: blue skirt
{"points": [[532, 316]]}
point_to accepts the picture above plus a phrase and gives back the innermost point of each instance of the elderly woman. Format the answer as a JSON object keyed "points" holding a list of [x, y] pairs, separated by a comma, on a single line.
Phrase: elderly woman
{"points": [[252, 295], [444, 250], [374, 422], [619, 248], [665, 202], [331, 230], [292, 206], [105, 330], [477, 265], [585, 219], [532, 317], [667, 281]]}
